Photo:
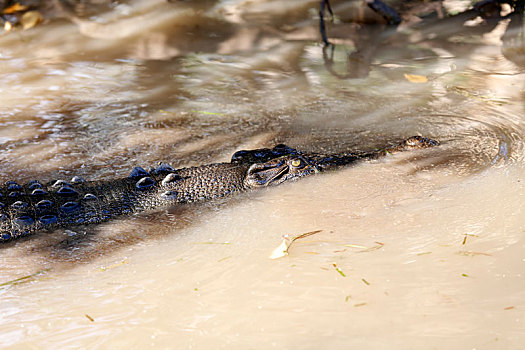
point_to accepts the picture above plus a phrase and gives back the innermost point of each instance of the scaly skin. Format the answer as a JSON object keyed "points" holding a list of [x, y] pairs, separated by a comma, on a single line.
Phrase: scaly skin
{"points": [[35, 207]]}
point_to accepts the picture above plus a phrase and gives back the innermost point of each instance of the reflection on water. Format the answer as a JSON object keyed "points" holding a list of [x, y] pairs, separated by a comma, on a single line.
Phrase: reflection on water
{"points": [[100, 89]]}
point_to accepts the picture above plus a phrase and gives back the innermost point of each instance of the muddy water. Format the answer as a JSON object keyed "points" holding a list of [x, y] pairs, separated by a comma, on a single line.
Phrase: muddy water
{"points": [[418, 250]]}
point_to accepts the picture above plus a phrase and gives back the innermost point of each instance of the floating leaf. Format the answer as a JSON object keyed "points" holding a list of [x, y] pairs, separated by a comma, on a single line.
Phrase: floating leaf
{"points": [[282, 249], [14, 8], [31, 19], [418, 79]]}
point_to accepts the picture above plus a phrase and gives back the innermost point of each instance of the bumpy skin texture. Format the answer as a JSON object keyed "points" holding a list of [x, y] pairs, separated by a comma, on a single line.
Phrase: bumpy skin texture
{"points": [[33, 207]]}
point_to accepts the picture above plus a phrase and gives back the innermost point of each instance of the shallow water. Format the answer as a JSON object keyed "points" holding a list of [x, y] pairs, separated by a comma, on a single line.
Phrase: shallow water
{"points": [[419, 250]]}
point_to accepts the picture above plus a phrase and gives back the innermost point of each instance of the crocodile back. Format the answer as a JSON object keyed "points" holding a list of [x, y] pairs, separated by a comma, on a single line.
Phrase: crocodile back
{"points": [[35, 206]]}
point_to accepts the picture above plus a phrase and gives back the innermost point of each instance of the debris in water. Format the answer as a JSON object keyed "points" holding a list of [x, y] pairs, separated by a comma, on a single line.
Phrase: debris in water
{"points": [[16, 7], [509, 308], [424, 253], [366, 249], [339, 270], [469, 253], [23, 279], [360, 304], [365, 281], [208, 113], [356, 246], [418, 79], [104, 268], [282, 249], [31, 19], [212, 243], [90, 318]]}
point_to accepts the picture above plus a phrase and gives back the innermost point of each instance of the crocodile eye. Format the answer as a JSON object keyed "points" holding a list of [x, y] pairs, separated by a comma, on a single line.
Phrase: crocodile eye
{"points": [[296, 162]]}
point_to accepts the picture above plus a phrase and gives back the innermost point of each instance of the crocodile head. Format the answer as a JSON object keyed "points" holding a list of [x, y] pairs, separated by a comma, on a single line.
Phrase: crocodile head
{"points": [[271, 167], [279, 170]]}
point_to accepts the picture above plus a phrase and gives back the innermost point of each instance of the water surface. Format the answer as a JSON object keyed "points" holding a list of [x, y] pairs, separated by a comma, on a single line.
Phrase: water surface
{"points": [[418, 250]]}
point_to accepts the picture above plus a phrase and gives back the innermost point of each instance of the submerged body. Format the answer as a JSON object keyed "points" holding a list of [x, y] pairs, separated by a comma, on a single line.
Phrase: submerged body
{"points": [[26, 209]]}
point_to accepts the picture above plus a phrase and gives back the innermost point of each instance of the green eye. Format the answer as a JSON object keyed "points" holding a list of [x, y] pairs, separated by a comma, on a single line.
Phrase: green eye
{"points": [[296, 162]]}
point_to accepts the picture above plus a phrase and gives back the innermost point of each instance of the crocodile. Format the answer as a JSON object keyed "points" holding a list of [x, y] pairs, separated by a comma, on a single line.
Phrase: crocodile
{"points": [[35, 206]]}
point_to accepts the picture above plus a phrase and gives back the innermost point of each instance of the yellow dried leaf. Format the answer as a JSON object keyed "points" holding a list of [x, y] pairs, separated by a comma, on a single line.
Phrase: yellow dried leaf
{"points": [[282, 249], [31, 19], [14, 8], [413, 78]]}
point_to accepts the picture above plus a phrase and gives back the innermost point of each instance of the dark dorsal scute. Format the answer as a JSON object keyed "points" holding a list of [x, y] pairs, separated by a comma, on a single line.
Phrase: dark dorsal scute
{"points": [[262, 154], [23, 220], [66, 191], [77, 180], [145, 183], [171, 178], [138, 172], [69, 206], [163, 168], [38, 192], [60, 183], [13, 186], [33, 185], [19, 205], [48, 219], [170, 195], [14, 194], [44, 204]]}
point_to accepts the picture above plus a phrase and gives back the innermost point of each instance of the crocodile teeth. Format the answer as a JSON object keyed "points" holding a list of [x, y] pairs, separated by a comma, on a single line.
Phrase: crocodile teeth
{"points": [[172, 177]]}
